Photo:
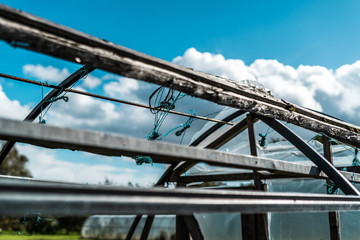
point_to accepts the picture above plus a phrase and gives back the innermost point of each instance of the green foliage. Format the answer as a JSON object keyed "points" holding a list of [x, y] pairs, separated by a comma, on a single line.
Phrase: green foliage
{"points": [[70, 224], [14, 164], [208, 184], [13, 235]]}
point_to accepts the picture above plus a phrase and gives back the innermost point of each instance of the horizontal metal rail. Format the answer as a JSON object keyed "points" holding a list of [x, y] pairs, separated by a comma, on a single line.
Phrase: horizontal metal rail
{"points": [[17, 199], [232, 177], [33, 33], [44, 103], [160, 152]]}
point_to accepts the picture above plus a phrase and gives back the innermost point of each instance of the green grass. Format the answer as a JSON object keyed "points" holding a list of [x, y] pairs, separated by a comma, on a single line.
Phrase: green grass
{"points": [[15, 236]]}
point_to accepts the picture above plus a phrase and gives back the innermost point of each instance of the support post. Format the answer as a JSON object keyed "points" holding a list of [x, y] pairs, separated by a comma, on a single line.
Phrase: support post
{"points": [[254, 226], [147, 227], [182, 232], [334, 217], [133, 227], [193, 227]]}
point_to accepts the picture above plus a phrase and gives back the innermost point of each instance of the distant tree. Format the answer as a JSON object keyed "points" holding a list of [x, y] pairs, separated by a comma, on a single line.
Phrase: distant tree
{"points": [[14, 164], [108, 181], [208, 184], [70, 224], [130, 184], [275, 140]]}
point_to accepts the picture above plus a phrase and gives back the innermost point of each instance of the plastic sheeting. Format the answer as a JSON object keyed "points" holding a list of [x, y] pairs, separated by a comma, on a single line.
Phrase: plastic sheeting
{"points": [[117, 227], [282, 226]]}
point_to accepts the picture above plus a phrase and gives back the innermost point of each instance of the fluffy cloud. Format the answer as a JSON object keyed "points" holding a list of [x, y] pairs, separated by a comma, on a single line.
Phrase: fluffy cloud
{"points": [[48, 73], [349, 100], [12, 108], [123, 88], [91, 82], [56, 75], [90, 113], [305, 85], [44, 164]]}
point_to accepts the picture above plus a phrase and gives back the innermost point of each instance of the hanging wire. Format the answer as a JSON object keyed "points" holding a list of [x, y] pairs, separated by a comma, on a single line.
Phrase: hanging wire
{"points": [[143, 159], [262, 141], [184, 126], [356, 161], [331, 189], [167, 104], [160, 107]]}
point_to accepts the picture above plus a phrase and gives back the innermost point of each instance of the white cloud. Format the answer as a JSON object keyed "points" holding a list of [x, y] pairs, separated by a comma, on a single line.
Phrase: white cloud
{"points": [[49, 73], [90, 82], [304, 85], [86, 112], [56, 75], [44, 164], [216, 64], [123, 87], [12, 108], [349, 101]]}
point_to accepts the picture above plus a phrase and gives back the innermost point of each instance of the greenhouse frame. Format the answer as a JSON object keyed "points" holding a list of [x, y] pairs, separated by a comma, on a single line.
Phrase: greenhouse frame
{"points": [[296, 186]]}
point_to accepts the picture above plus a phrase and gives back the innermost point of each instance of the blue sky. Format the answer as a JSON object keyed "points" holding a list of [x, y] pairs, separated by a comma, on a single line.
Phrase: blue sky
{"points": [[304, 51]]}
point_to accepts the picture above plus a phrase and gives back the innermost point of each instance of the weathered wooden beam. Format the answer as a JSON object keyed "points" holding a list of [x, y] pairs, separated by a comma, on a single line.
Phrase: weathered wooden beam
{"points": [[117, 145], [30, 32], [312, 155]]}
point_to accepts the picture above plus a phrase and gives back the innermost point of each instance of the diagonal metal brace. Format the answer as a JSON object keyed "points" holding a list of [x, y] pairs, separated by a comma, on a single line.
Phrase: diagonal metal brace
{"points": [[73, 78], [313, 155]]}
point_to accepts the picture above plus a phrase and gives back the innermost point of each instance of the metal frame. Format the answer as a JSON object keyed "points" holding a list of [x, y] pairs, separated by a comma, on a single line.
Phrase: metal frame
{"points": [[44, 103], [117, 145], [30, 32], [313, 155], [33, 33], [82, 200]]}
